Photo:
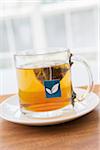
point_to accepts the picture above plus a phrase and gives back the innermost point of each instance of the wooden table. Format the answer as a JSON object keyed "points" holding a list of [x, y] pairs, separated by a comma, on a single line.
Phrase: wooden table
{"points": [[82, 133]]}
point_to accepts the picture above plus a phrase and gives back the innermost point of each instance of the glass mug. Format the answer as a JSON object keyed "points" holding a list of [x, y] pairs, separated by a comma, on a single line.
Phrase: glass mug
{"points": [[44, 82]]}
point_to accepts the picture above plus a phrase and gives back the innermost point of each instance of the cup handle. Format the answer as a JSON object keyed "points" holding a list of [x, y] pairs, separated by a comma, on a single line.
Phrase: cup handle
{"points": [[78, 59]]}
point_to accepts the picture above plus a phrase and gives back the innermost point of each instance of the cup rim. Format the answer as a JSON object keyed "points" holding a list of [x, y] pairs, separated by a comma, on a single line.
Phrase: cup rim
{"points": [[39, 52]]}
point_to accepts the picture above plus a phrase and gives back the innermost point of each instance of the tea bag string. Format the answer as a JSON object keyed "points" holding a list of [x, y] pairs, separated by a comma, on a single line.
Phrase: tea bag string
{"points": [[50, 70]]}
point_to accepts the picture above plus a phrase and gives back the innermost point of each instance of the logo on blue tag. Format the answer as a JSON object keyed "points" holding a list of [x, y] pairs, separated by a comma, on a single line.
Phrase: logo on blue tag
{"points": [[52, 88]]}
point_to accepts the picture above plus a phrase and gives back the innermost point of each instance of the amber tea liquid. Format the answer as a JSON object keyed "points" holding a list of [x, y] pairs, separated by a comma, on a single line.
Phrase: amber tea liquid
{"points": [[32, 92]]}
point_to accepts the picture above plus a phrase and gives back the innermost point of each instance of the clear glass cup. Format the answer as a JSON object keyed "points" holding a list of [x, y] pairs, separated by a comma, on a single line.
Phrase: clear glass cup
{"points": [[45, 86]]}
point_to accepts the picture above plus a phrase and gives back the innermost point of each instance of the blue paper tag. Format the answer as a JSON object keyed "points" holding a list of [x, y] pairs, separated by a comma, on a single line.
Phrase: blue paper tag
{"points": [[52, 88]]}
